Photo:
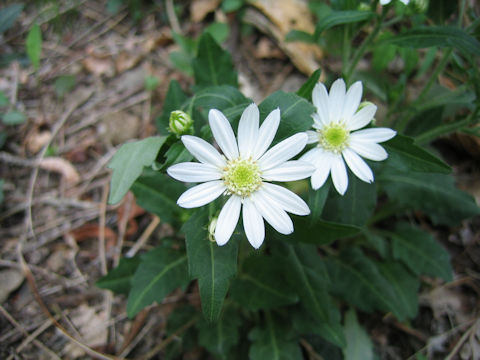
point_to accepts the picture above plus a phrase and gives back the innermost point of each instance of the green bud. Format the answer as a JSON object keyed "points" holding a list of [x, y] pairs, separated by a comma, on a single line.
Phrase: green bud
{"points": [[420, 6], [211, 229], [180, 123]]}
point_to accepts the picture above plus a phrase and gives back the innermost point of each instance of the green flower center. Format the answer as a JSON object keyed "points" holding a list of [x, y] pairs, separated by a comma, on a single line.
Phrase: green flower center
{"points": [[334, 137], [242, 177]]}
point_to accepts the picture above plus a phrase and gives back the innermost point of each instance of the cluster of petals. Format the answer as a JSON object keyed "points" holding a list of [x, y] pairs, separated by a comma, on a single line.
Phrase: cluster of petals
{"points": [[263, 200], [339, 109]]}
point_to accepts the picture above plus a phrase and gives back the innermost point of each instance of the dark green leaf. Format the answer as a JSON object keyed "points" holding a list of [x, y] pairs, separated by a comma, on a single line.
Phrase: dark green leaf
{"points": [[461, 97], [128, 163], [341, 17], [118, 279], [211, 264], [232, 5], [177, 153], [306, 90], [298, 35], [3, 99], [316, 201], [8, 15], [173, 101], [13, 118], [219, 31], [359, 345], [444, 129], [160, 272], [220, 97], [182, 62], [213, 65], [185, 341], [34, 45]]}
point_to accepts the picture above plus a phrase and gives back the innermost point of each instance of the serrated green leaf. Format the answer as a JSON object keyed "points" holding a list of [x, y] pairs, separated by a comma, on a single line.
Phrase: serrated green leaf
{"points": [[340, 17], [359, 345], [118, 279], [173, 101], [213, 65], [33, 45], [261, 284], [14, 118], [158, 194], [442, 36], [306, 90], [159, 273], [8, 16], [420, 252], [404, 155], [212, 265], [128, 163], [435, 194], [295, 113]]}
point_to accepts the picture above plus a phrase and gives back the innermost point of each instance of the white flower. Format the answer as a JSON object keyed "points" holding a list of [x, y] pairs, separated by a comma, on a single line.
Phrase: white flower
{"points": [[337, 118], [241, 173], [385, 2]]}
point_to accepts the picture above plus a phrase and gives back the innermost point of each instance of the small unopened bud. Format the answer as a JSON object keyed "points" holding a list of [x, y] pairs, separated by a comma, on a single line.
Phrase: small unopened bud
{"points": [[211, 229], [180, 123]]}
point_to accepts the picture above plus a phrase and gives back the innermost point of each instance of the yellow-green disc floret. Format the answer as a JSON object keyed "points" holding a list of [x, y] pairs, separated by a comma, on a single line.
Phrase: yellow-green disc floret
{"points": [[334, 137], [242, 177]]}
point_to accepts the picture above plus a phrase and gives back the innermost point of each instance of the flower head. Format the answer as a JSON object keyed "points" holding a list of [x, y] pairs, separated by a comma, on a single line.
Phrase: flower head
{"points": [[242, 174], [339, 115]]}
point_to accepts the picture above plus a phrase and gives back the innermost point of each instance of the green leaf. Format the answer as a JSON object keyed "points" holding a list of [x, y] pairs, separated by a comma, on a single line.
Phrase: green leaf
{"points": [[270, 341], [160, 272], [151, 82], [34, 45], [232, 5], [340, 17], [316, 201], [359, 345], [298, 35], [3, 99], [434, 132], [261, 284], [442, 36], [213, 65], [158, 193], [64, 84], [2, 196], [222, 97], [8, 15], [185, 341], [460, 97], [173, 101], [211, 264], [118, 279], [177, 153], [435, 194], [128, 163], [404, 155], [306, 90], [295, 113], [420, 252], [14, 118], [219, 31], [182, 62]]}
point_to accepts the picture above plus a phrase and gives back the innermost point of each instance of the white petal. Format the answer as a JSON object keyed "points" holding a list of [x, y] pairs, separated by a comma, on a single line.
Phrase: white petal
{"points": [[194, 172], [361, 118], [289, 171], [370, 151], [227, 220], [320, 100], [272, 213], [320, 176], [203, 151], [253, 224], [283, 151], [339, 174], [266, 133], [201, 194], [317, 123], [352, 100], [374, 134], [288, 200], [311, 155], [385, 2], [336, 100], [248, 130], [405, 1], [312, 137], [358, 166], [223, 133]]}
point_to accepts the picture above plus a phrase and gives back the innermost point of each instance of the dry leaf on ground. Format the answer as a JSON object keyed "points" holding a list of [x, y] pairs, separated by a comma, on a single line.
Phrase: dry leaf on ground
{"points": [[62, 166]]}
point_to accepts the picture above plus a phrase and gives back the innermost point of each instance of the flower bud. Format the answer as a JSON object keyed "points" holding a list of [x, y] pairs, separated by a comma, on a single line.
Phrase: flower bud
{"points": [[211, 229], [180, 123]]}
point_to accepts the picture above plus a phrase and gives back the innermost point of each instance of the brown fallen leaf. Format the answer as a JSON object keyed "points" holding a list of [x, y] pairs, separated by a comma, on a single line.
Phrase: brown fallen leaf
{"points": [[127, 60], [36, 140], [62, 166], [199, 9], [92, 230]]}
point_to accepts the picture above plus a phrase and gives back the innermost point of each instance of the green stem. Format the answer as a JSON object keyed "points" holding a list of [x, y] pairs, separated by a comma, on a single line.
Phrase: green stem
{"points": [[346, 46]]}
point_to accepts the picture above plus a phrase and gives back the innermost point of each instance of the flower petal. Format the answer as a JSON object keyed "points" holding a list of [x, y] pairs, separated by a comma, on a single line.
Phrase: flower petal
{"points": [[289, 171], [253, 224], [374, 134], [272, 213], [203, 151], [361, 117], [201, 194], [319, 177], [223, 133], [266, 133], [368, 150], [317, 123], [358, 166], [320, 100], [311, 155], [312, 137], [339, 174], [288, 200], [227, 220], [352, 100], [248, 130], [336, 100], [194, 172], [283, 151]]}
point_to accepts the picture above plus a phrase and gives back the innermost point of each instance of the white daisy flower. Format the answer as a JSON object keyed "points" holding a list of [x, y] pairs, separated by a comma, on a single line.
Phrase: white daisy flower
{"points": [[385, 2], [337, 118], [242, 173]]}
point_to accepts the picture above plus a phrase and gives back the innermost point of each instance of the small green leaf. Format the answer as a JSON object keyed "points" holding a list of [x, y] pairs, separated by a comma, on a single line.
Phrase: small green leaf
{"points": [[14, 118], [298, 35], [211, 264], [340, 17], [182, 62], [34, 45], [359, 345], [232, 5], [306, 90], [8, 15], [118, 279], [160, 272], [173, 101], [64, 84], [219, 31], [3, 99], [128, 163], [151, 82]]}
